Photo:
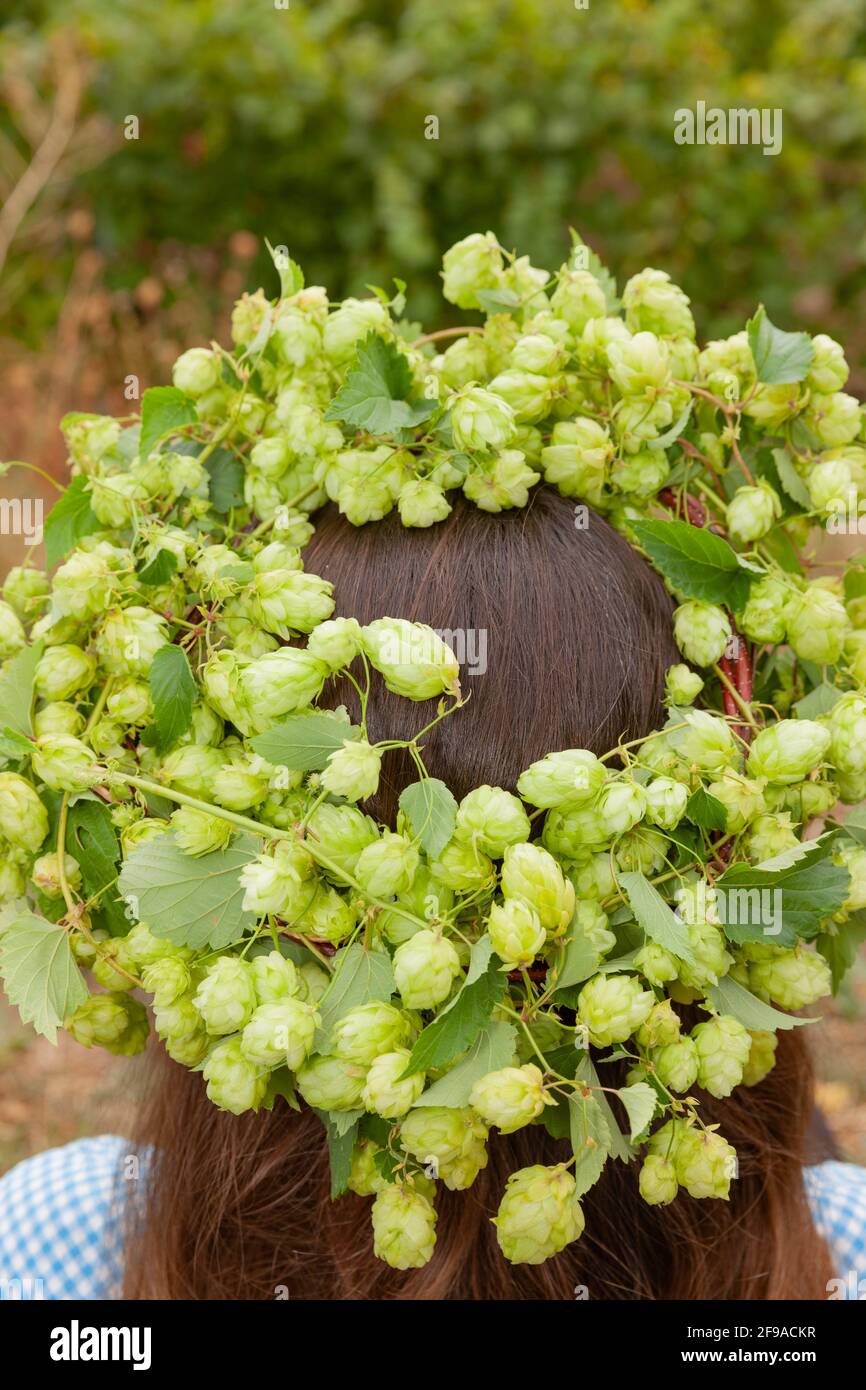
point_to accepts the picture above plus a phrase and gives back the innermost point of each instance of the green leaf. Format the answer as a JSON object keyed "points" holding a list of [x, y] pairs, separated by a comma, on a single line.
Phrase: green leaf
{"points": [[620, 1147], [164, 409], [694, 561], [790, 479], [492, 1049], [706, 811], [502, 301], [192, 902], [581, 959], [785, 898], [16, 689], [92, 840], [173, 692], [69, 521], [341, 1146], [670, 436], [819, 701], [13, 745], [729, 997], [431, 811], [590, 1140], [160, 569], [360, 976], [839, 947], [376, 392], [855, 825], [39, 973], [281, 1082], [305, 742], [226, 480], [779, 357], [640, 1104], [457, 1027], [290, 273], [659, 922]]}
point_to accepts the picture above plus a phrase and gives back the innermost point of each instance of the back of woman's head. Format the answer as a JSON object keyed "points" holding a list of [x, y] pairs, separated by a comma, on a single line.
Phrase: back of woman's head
{"points": [[564, 635]]}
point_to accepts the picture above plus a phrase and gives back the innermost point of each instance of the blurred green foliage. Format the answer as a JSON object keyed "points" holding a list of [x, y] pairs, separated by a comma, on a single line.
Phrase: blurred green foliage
{"points": [[307, 125]]}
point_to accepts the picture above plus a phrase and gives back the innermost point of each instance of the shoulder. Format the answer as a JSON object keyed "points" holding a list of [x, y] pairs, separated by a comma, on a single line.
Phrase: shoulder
{"points": [[61, 1221], [837, 1196]]}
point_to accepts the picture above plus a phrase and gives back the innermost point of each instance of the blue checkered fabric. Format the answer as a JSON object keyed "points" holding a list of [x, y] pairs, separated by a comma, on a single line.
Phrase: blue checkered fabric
{"points": [[61, 1221]]}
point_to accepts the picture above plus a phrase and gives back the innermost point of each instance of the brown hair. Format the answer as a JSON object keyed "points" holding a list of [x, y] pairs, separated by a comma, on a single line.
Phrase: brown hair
{"points": [[578, 637]]}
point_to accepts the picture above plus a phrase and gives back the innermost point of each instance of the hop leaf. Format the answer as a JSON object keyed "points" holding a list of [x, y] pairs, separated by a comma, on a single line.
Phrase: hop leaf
{"points": [[376, 393], [39, 973]]}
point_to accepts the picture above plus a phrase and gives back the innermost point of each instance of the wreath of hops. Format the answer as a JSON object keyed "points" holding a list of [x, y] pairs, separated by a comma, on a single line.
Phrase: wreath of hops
{"points": [[178, 816]]}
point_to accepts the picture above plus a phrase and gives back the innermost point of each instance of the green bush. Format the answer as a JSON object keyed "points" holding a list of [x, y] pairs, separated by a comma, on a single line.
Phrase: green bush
{"points": [[307, 125]]}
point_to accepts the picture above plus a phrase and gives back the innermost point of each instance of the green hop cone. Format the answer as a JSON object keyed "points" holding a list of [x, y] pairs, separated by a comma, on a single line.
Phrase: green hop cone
{"points": [[752, 511], [226, 996], [764, 618], [676, 1064], [705, 1163], [817, 625], [275, 977], [45, 874], [510, 1098], [706, 741], [404, 1227], [791, 979], [654, 304], [233, 1082], [387, 866], [656, 964], [463, 867], [23, 818], [280, 1033], [702, 632], [612, 1007], [723, 1047], [658, 1180], [532, 876], [425, 968], [422, 503], [660, 1027], [144, 948], [110, 1021], [470, 265], [386, 1091], [329, 1083], [577, 457], [166, 979], [788, 750], [770, 836], [286, 602], [481, 421], [365, 1178], [577, 299], [666, 802], [500, 482], [742, 798], [196, 832], [64, 671], [761, 1059], [570, 778], [847, 723], [683, 685], [516, 932], [64, 763], [196, 371], [368, 1030], [58, 717], [451, 1143], [353, 770], [341, 833], [336, 642], [411, 658], [539, 1214], [492, 819]]}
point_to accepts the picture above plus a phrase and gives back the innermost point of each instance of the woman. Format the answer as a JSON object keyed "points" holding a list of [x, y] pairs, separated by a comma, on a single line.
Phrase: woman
{"points": [[577, 635]]}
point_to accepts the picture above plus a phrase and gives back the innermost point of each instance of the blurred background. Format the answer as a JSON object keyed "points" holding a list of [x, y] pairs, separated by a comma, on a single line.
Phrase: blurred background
{"points": [[147, 148]]}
